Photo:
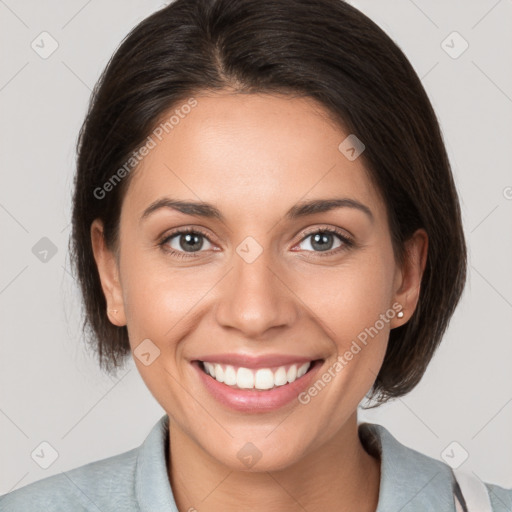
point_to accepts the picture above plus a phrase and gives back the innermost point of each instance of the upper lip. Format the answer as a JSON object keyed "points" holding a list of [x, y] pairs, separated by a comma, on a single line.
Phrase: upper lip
{"points": [[251, 361]]}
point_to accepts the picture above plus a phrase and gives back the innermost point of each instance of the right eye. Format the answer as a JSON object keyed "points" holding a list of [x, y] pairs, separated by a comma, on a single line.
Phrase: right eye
{"points": [[183, 243]]}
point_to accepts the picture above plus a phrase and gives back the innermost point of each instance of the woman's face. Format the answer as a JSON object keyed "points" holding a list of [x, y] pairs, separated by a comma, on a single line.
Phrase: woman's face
{"points": [[253, 280]]}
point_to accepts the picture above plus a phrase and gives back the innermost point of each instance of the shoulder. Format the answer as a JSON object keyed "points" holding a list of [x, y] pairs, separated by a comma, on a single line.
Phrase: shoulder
{"points": [[105, 484], [411, 480], [500, 497], [133, 480]]}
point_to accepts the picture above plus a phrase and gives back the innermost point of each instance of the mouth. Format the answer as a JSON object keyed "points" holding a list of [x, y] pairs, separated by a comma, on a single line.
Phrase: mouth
{"points": [[253, 390], [258, 379]]}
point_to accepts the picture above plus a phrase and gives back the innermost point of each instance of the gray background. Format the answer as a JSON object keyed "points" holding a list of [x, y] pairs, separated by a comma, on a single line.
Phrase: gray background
{"points": [[51, 389]]}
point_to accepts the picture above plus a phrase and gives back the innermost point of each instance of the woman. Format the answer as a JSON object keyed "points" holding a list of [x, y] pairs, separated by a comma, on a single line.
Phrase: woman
{"points": [[265, 218]]}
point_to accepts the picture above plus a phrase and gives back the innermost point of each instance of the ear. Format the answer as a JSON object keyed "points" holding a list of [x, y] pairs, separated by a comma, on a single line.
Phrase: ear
{"points": [[109, 274], [408, 278]]}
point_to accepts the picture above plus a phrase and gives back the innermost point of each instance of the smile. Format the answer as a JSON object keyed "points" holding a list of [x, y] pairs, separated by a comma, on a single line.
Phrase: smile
{"points": [[256, 390], [262, 378]]}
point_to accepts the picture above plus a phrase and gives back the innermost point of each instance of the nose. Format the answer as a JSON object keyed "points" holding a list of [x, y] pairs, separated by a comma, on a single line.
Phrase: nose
{"points": [[256, 297]]}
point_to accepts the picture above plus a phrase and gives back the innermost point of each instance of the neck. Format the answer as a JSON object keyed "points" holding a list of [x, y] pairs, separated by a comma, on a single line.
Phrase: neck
{"points": [[337, 476]]}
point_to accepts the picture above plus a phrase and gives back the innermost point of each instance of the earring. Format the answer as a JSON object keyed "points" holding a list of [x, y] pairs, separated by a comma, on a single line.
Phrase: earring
{"points": [[113, 311], [400, 314]]}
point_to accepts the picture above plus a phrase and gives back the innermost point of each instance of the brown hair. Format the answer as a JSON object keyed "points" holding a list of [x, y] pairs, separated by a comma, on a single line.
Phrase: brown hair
{"points": [[323, 49]]}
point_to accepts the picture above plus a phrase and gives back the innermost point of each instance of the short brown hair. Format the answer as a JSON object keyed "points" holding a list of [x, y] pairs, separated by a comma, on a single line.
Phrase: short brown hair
{"points": [[323, 49]]}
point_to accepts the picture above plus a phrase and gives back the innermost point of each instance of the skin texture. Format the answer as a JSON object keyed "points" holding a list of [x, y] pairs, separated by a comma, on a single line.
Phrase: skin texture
{"points": [[254, 156]]}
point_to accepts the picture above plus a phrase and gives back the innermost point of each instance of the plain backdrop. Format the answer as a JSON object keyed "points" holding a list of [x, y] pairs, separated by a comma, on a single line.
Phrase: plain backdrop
{"points": [[51, 389]]}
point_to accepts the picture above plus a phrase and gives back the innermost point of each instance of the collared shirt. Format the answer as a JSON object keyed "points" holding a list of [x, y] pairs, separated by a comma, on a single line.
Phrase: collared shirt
{"points": [[137, 480]]}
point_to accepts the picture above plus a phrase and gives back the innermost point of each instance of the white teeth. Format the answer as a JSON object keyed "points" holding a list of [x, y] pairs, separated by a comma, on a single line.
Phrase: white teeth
{"points": [[244, 378], [219, 373], [292, 373], [280, 377], [263, 378], [230, 376], [302, 370], [209, 368]]}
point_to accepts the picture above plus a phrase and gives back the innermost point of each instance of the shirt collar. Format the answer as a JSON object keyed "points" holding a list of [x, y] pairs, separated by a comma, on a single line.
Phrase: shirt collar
{"points": [[409, 480], [152, 486]]}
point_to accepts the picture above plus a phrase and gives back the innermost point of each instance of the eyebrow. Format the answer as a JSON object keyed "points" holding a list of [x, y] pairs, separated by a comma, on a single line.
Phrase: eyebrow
{"points": [[301, 209]]}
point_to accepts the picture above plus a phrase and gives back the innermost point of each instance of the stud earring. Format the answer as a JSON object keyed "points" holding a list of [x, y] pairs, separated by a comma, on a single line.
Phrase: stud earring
{"points": [[400, 314], [113, 311]]}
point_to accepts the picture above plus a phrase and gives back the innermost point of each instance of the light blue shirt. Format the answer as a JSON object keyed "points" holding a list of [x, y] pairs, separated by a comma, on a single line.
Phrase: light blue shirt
{"points": [[137, 481]]}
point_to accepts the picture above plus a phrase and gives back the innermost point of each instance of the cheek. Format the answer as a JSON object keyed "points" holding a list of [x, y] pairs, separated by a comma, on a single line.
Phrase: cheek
{"points": [[163, 302], [351, 297], [348, 302], [154, 298], [155, 302]]}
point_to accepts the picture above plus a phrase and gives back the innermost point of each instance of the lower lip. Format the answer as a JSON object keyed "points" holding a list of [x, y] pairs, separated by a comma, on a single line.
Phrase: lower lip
{"points": [[254, 400]]}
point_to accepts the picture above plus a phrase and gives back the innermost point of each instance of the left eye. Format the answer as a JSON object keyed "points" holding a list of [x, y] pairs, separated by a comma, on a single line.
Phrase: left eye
{"points": [[323, 240]]}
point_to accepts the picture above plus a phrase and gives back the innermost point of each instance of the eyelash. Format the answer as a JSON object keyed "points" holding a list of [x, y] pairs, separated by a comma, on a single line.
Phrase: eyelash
{"points": [[347, 242]]}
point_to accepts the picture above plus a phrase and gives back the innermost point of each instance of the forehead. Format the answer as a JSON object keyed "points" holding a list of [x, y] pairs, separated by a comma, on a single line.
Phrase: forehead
{"points": [[251, 152]]}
